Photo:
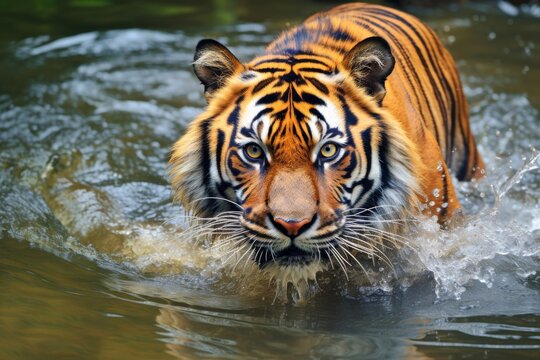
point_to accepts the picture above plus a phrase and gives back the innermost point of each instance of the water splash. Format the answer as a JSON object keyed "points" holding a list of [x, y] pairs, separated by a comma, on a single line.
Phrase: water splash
{"points": [[478, 246]]}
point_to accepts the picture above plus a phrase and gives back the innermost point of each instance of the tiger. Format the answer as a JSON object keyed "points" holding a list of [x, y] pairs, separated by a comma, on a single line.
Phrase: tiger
{"points": [[320, 149]]}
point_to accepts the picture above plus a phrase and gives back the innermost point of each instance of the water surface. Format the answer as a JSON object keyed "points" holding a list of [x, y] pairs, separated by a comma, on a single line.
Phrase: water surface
{"points": [[93, 94]]}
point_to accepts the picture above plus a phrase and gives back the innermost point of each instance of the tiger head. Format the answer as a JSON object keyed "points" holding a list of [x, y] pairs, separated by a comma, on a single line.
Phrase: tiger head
{"points": [[296, 154]]}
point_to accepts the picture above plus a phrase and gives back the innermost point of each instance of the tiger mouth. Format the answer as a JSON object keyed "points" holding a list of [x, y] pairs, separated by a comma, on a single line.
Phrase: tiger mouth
{"points": [[291, 256], [294, 254]]}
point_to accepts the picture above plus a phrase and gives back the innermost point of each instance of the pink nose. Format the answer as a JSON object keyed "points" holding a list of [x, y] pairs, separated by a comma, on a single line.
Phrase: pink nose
{"points": [[292, 226]]}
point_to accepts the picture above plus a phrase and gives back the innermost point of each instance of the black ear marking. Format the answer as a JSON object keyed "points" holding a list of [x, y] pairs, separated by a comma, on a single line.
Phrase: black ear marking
{"points": [[370, 62], [213, 64]]}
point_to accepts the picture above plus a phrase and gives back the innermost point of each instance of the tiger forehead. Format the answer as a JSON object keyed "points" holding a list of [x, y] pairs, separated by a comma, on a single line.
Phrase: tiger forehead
{"points": [[288, 101], [290, 126], [285, 82]]}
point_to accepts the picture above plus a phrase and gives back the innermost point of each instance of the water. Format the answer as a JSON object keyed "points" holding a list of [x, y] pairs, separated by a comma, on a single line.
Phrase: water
{"points": [[93, 94]]}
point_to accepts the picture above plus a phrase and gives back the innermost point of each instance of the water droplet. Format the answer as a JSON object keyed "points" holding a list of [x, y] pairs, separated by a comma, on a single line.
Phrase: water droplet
{"points": [[508, 8], [439, 166], [432, 203], [444, 205], [492, 35], [438, 209], [436, 192]]}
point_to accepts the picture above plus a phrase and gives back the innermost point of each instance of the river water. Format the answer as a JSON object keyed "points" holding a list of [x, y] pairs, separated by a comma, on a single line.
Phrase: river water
{"points": [[92, 259]]}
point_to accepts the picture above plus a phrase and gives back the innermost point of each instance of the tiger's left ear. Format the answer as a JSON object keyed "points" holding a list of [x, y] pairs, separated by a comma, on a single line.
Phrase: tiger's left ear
{"points": [[213, 64], [370, 62]]}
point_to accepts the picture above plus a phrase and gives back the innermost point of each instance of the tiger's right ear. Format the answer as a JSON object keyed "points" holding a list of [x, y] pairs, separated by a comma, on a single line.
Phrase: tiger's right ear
{"points": [[213, 64]]}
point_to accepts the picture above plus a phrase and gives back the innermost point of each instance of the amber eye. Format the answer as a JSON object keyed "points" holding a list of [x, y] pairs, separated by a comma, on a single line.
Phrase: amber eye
{"points": [[253, 151], [329, 150]]}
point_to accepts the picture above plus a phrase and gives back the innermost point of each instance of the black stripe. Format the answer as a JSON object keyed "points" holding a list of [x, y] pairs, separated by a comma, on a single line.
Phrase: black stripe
{"points": [[299, 115], [319, 85], [462, 171], [222, 185], [270, 70], [340, 35], [350, 118], [366, 143], [312, 99], [365, 182], [272, 131], [280, 115], [247, 132], [306, 136], [269, 98], [290, 77], [384, 148], [261, 113], [261, 85], [295, 96], [219, 151], [316, 70], [205, 165], [317, 114], [233, 116]]}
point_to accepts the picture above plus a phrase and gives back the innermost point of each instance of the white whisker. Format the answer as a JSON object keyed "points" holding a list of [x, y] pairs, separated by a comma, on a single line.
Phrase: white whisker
{"points": [[217, 198], [358, 262], [340, 259]]}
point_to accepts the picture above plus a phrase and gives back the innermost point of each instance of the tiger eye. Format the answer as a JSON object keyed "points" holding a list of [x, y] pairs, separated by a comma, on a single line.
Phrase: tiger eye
{"points": [[329, 150], [253, 151]]}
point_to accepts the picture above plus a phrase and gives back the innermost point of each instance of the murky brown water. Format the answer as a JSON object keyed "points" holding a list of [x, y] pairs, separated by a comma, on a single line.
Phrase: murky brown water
{"points": [[92, 95]]}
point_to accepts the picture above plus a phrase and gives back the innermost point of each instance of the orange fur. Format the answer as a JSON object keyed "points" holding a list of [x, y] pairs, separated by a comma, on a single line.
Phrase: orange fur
{"points": [[417, 116]]}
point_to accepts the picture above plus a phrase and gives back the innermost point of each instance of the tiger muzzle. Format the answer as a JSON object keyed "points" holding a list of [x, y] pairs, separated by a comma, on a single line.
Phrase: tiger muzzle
{"points": [[292, 202]]}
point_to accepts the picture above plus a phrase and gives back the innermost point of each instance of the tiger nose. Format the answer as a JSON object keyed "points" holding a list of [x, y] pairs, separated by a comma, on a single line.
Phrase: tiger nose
{"points": [[292, 227]]}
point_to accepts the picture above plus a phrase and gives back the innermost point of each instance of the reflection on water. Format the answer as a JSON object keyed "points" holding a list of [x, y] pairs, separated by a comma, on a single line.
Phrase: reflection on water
{"points": [[92, 257]]}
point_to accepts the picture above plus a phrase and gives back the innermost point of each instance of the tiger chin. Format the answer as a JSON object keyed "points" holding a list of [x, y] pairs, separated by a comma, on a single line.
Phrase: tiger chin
{"points": [[314, 155]]}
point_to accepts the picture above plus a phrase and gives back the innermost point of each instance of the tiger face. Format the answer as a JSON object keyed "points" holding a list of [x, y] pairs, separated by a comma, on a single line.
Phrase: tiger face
{"points": [[297, 153]]}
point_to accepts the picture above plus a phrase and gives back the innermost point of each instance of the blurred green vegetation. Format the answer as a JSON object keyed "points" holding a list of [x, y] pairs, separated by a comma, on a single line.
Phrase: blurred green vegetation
{"points": [[61, 17]]}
